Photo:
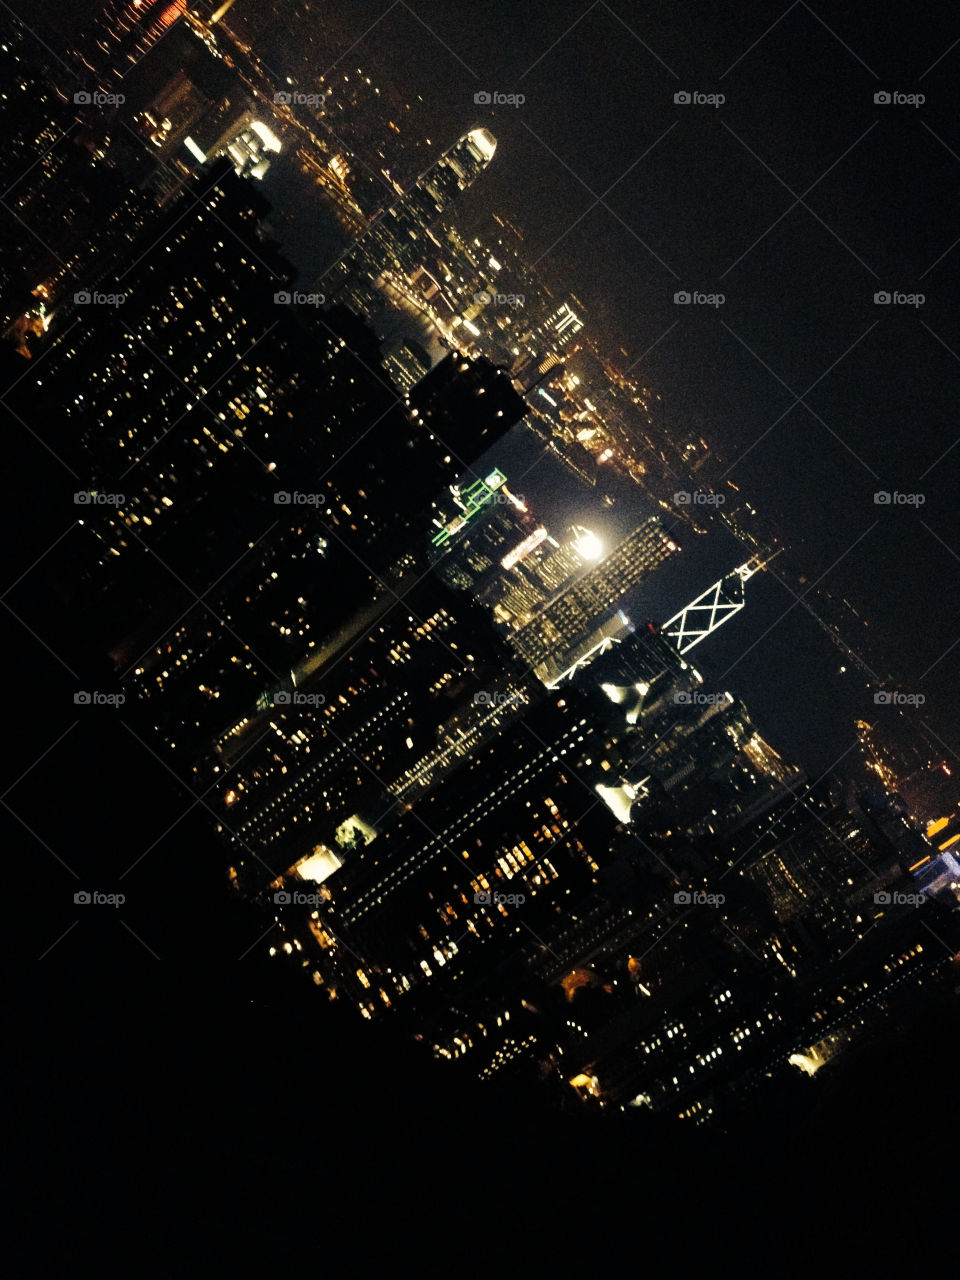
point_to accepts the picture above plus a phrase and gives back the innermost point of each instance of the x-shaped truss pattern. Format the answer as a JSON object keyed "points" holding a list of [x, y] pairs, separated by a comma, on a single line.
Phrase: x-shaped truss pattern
{"points": [[711, 609]]}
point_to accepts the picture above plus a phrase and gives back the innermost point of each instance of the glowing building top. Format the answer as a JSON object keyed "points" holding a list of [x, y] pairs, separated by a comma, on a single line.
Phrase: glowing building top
{"points": [[482, 141]]}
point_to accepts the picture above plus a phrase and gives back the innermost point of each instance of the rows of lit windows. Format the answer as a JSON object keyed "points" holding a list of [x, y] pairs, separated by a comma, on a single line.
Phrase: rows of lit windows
{"points": [[466, 822]]}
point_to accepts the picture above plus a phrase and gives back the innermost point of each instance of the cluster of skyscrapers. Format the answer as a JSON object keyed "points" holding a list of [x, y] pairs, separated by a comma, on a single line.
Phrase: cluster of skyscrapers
{"points": [[473, 795]]}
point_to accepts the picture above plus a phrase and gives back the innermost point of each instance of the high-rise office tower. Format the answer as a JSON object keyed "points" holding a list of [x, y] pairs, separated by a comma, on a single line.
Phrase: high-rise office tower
{"points": [[249, 477], [339, 548], [820, 863], [407, 363], [358, 732], [395, 236], [562, 624], [681, 749], [558, 330], [537, 570], [124, 32], [467, 549], [431, 905]]}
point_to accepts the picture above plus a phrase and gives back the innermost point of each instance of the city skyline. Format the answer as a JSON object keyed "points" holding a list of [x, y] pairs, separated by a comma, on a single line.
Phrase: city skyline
{"points": [[483, 560]]}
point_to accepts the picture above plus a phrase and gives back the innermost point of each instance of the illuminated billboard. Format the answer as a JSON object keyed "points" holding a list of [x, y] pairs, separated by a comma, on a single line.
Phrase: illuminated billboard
{"points": [[524, 548]]}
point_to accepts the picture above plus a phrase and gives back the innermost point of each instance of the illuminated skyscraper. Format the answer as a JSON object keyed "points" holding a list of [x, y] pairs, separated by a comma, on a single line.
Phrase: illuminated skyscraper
{"points": [[395, 236], [361, 727], [539, 568], [123, 34], [562, 624], [437, 899], [473, 556], [559, 329]]}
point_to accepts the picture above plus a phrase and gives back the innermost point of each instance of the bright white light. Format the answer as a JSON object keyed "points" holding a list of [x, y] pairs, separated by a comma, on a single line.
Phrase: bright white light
{"points": [[588, 545], [318, 865], [484, 141], [269, 139]]}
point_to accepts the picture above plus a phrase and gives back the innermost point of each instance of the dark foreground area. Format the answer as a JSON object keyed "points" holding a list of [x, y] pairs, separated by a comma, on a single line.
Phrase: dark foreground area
{"points": [[183, 1102]]}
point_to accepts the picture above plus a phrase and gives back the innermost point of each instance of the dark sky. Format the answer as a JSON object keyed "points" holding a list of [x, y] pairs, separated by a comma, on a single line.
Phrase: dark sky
{"points": [[798, 198]]}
